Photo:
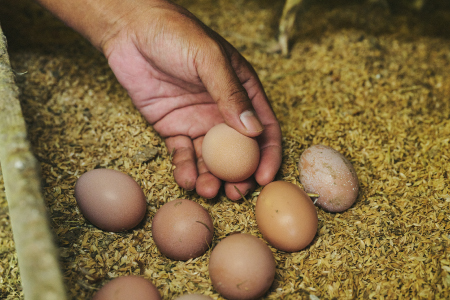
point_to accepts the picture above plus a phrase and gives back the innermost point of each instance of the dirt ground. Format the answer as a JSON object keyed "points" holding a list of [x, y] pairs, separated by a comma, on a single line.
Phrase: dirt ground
{"points": [[371, 82]]}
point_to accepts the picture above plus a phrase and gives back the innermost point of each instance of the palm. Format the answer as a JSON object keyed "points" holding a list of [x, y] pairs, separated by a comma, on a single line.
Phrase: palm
{"points": [[169, 78], [174, 106]]}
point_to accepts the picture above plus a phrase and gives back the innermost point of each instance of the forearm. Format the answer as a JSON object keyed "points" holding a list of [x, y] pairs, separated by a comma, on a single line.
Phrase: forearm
{"points": [[97, 20]]}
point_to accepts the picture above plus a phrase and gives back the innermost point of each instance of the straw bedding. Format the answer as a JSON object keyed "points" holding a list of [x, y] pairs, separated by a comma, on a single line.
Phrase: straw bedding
{"points": [[371, 84]]}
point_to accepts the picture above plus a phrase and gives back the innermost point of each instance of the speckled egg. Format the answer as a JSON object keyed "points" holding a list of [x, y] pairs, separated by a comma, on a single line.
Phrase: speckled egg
{"points": [[230, 155], [182, 229], [326, 172]]}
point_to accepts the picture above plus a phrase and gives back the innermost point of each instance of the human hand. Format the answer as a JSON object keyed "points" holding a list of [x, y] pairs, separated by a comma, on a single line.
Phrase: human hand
{"points": [[184, 79]]}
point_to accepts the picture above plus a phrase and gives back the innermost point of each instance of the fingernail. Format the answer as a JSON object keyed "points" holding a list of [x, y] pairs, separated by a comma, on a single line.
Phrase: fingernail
{"points": [[251, 121]]}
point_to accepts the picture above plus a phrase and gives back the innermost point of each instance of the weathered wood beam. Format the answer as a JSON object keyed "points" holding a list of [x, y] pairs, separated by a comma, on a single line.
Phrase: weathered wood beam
{"points": [[37, 254]]}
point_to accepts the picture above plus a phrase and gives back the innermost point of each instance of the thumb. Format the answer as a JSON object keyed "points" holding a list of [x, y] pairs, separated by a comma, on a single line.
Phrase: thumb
{"points": [[223, 76]]}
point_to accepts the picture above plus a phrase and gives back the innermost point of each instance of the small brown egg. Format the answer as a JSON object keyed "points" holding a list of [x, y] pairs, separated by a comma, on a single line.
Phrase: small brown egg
{"points": [[242, 266], [111, 200], [128, 287], [286, 216], [193, 297], [230, 155], [182, 229], [326, 172]]}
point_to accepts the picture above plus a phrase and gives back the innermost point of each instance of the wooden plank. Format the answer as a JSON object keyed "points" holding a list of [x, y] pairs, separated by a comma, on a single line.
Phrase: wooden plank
{"points": [[36, 251]]}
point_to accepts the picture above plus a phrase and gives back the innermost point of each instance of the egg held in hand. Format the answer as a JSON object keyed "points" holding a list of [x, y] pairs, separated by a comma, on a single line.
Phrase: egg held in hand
{"points": [[326, 172], [242, 267], [286, 216], [230, 155], [111, 200], [182, 229]]}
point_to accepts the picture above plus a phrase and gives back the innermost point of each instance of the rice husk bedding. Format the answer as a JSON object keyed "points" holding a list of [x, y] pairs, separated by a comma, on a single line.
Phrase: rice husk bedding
{"points": [[371, 83]]}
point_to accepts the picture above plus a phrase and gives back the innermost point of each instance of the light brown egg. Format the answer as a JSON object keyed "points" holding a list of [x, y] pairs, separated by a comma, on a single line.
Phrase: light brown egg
{"points": [[182, 229], [286, 216], [230, 155], [242, 266], [111, 200], [326, 172], [128, 287], [194, 297]]}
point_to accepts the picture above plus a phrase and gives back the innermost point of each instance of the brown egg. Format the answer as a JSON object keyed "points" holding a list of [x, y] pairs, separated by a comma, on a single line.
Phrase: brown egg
{"points": [[182, 229], [242, 266], [111, 200], [286, 216], [193, 297], [128, 287], [327, 172], [230, 155]]}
